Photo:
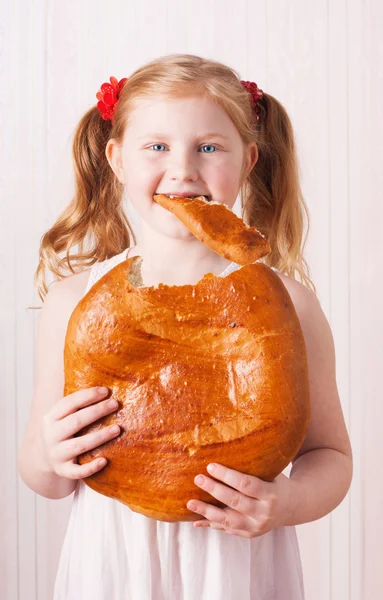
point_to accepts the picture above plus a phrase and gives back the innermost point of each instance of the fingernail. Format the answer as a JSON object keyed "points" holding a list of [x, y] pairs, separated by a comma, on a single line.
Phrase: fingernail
{"points": [[112, 404], [212, 468], [102, 390], [199, 480], [114, 429]]}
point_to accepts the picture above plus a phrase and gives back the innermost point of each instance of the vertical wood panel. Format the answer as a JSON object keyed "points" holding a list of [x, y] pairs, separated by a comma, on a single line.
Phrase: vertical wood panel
{"points": [[22, 261], [359, 221], [30, 114], [35, 134], [9, 78], [339, 263], [256, 68], [368, 221]]}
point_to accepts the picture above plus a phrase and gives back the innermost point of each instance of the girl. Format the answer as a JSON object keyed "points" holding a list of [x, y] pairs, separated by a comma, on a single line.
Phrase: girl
{"points": [[181, 125]]}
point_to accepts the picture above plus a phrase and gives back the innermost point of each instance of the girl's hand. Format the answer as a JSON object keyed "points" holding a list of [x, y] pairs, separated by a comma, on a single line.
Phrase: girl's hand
{"points": [[67, 417], [254, 506]]}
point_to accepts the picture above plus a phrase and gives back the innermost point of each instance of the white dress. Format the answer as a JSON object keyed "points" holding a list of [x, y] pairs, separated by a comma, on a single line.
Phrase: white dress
{"points": [[112, 553]]}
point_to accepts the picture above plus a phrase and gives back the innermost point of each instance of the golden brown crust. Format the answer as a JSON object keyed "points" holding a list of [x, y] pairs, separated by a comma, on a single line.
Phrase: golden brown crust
{"points": [[214, 224], [215, 372]]}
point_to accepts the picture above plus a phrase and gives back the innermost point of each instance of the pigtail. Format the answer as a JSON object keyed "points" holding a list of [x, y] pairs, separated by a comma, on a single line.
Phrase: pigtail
{"points": [[94, 221], [273, 201]]}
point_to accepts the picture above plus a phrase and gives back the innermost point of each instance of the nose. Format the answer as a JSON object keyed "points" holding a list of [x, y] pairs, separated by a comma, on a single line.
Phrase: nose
{"points": [[182, 167]]}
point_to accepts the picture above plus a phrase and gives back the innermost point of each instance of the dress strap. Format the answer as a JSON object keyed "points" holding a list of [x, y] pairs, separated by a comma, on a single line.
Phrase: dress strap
{"points": [[99, 269]]}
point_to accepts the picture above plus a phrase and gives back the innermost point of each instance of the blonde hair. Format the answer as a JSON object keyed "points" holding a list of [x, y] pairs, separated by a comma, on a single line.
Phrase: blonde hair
{"points": [[271, 196]]}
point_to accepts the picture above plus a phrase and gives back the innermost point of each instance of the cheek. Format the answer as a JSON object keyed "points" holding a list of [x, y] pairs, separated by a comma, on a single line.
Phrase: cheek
{"points": [[229, 182], [138, 170], [225, 186], [226, 173]]}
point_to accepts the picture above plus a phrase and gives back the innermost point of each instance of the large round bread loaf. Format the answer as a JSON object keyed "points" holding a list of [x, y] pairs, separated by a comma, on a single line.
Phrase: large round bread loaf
{"points": [[212, 372]]}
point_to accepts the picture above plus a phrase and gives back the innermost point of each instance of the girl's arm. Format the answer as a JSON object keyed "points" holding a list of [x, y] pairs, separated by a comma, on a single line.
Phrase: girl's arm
{"points": [[322, 470], [49, 384]]}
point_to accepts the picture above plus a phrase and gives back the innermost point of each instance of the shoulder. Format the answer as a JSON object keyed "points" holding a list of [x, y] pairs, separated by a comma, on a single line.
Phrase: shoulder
{"points": [[62, 298], [73, 287], [69, 289], [305, 301], [315, 326]]}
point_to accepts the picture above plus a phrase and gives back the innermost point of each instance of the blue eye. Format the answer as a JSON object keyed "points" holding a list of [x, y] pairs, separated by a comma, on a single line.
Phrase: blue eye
{"points": [[204, 146]]}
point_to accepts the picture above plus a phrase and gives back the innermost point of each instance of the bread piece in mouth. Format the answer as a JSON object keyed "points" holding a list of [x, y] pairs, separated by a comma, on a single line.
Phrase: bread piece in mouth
{"points": [[216, 226]]}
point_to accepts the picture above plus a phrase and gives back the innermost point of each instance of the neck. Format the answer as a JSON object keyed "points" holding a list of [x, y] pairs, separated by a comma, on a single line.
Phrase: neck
{"points": [[174, 261]]}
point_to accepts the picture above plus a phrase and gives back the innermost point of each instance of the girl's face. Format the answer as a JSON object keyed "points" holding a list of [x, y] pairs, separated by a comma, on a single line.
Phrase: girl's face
{"points": [[182, 147]]}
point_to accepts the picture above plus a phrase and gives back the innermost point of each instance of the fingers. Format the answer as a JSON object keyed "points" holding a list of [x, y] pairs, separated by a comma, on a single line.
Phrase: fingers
{"points": [[71, 470], [69, 449], [73, 423], [231, 497], [222, 518], [73, 402], [246, 484], [71, 414]]}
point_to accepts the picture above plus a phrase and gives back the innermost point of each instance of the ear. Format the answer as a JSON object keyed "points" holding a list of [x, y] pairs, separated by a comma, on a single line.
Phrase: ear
{"points": [[113, 153], [252, 156]]}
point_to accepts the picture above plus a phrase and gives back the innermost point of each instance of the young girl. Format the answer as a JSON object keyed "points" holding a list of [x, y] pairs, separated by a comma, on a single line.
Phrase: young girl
{"points": [[181, 125]]}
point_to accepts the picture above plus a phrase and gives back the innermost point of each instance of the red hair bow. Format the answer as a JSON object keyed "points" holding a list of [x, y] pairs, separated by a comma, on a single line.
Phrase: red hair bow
{"points": [[255, 93], [108, 97]]}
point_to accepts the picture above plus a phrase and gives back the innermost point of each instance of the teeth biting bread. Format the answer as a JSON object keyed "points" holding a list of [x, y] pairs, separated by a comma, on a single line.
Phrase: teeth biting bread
{"points": [[214, 224], [212, 372]]}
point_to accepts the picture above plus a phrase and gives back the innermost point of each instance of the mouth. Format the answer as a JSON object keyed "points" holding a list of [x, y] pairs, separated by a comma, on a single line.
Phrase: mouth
{"points": [[203, 197]]}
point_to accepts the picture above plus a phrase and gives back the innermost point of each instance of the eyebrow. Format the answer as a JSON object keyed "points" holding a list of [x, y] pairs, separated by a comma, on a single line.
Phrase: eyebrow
{"points": [[203, 135]]}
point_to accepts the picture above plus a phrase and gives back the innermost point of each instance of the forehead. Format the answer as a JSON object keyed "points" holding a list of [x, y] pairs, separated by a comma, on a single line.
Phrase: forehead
{"points": [[194, 113]]}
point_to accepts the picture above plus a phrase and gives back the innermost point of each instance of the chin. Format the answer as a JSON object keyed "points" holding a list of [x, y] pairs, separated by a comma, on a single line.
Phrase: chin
{"points": [[175, 233], [170, 227]]}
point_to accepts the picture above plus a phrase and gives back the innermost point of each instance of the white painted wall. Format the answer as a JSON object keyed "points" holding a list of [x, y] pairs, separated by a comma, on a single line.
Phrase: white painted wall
{"points": [[324, 62]]}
